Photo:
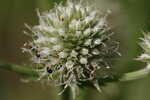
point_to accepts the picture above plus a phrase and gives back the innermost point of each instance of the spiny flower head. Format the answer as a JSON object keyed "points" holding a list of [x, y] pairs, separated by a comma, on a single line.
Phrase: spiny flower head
{"points": [[72, 44], [145, 57]]}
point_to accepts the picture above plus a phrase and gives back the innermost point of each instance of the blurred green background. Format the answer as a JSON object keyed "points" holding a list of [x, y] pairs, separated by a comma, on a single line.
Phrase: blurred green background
{"points": [[128, 18]]}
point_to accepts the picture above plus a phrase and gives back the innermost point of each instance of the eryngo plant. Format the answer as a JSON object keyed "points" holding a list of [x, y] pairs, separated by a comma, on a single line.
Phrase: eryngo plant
{"points": [[145, 44], [72, 44]]}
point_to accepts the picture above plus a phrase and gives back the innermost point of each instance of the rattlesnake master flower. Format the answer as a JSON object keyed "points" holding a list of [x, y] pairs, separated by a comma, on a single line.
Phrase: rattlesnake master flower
{"points": [[72, 44], [145, 57]]}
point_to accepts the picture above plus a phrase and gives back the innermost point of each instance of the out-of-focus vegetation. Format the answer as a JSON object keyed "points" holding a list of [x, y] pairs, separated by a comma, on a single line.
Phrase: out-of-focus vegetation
{"points": [[128, 18]]}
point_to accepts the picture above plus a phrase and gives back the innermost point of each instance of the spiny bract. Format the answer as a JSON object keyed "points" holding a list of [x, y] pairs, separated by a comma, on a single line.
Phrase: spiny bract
{"points": [[72, 45]]}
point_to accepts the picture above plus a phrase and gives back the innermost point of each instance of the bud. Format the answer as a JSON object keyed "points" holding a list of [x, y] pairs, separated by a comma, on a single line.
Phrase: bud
{"points": [[83, 61], [84, 51], [97, 41], [69, 64], [62, 55]]}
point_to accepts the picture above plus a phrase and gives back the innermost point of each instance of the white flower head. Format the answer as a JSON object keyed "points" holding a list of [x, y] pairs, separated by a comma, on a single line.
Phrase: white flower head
{"points": [[69, 37], [145, 57]]}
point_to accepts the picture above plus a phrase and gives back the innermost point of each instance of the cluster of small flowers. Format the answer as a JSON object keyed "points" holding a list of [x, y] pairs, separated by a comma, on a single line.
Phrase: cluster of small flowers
{"points": [[72, 44], [145, 57]]}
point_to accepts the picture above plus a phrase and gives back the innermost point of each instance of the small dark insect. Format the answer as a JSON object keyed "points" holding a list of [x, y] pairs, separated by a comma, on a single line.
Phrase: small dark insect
{"points": [[62, 19], [33, 48], [38, 55], [49, 70]]}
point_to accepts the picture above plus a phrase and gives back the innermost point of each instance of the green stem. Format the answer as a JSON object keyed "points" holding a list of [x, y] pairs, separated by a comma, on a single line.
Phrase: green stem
{"points": [[28, 72], [18, 69], [135, 75], [83, 94]]}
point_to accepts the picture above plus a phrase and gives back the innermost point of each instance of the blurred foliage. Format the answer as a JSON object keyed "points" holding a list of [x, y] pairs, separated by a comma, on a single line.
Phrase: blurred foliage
{"points": [[128, 18]]}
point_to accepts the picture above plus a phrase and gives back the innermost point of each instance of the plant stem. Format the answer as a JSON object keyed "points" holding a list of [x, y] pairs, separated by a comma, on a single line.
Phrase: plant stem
{"points": [[135, 75], [18, 69], [28, 72], [83, 94]]}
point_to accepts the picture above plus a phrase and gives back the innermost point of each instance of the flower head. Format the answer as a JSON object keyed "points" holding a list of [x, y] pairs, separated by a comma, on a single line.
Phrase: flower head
{"points": [[145, 57], [72, 44]]}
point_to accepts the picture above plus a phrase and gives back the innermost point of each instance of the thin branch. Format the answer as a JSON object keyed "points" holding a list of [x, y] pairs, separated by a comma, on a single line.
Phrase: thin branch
{"points": [[136, 75], [18, 69], [31, 73]]}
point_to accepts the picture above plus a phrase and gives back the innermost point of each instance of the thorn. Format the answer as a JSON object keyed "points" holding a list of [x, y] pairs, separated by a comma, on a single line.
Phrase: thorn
{"points": [[97, 86], [61, 92]]}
